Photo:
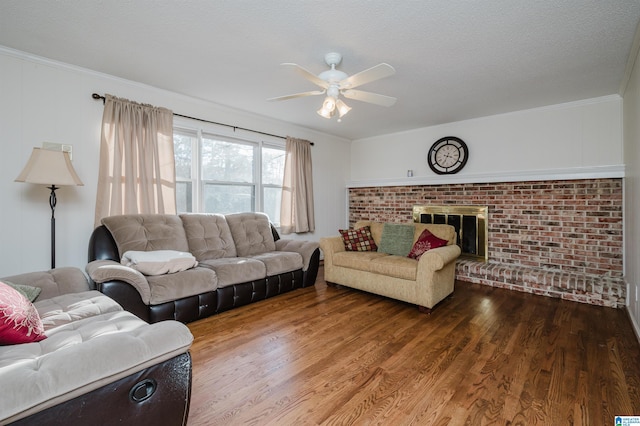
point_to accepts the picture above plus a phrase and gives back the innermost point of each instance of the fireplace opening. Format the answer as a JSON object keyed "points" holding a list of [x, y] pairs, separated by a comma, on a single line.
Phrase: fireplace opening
{"points": [[470, 223]]}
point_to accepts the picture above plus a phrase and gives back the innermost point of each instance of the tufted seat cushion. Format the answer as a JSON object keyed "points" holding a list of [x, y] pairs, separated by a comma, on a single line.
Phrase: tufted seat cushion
{"points": [[72, 307], [235, 270], [169, 287], [83, 355], [279, 262]]}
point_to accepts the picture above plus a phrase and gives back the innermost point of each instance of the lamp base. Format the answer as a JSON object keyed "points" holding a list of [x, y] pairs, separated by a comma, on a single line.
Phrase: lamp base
{"points": [[52, 204]]}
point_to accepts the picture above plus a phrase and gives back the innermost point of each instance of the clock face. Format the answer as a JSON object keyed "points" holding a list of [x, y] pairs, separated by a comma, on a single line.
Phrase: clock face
{"points": [[448, 155]]}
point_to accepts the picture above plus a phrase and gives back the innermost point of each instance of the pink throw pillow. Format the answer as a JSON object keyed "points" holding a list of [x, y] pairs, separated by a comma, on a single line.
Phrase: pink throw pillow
{"points": [[19, 319], [426, 241]]}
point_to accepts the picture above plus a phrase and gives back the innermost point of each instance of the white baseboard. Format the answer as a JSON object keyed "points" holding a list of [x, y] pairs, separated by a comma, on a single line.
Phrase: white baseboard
{"points": [[634, 324]]}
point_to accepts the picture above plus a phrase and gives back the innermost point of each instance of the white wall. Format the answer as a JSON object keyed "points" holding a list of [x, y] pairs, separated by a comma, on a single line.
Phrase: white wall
{"points": [[41, 100], [580, 139], [632, 195]]}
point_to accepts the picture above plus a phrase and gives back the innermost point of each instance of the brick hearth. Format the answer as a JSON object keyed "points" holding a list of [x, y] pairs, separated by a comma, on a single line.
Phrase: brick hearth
{"points": [[555, 238]]}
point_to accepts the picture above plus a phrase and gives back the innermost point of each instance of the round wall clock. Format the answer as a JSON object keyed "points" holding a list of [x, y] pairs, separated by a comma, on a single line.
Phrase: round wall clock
{"points": [[448, 155]]}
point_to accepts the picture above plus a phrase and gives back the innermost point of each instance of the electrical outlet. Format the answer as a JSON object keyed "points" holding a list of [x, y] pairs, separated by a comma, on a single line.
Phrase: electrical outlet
{"points": [[59, 147]]}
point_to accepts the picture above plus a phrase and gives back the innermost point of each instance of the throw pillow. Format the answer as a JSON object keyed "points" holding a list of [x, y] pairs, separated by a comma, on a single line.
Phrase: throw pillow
{"points": [[396, 239], [28, 291], [159, 262], [19, 319], [358, 239], [426, 241]]}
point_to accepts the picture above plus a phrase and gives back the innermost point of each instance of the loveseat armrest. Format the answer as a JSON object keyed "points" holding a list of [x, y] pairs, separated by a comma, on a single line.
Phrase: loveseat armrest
{"points": [[54, 282], [330, 245], [436, 259], [101, 271]]}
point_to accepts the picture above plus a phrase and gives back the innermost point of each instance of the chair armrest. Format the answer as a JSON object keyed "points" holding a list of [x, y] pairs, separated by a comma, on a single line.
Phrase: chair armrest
{"points": [[436, 259], [305, 248], [101, 271]]}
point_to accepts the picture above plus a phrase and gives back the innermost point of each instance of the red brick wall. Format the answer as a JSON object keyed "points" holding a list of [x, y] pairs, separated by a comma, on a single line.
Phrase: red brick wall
{"points": [[570, 226]]}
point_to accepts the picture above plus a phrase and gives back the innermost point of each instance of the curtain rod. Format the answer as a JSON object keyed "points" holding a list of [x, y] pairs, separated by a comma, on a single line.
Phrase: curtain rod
{"points": [[97, 96]]}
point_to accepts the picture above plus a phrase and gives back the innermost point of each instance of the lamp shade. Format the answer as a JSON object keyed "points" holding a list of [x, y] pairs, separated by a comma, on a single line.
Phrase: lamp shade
{"points": [[49, 168]]}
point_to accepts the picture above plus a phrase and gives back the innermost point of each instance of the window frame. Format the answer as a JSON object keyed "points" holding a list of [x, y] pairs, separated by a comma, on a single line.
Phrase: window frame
{"points": [[198, 131]]}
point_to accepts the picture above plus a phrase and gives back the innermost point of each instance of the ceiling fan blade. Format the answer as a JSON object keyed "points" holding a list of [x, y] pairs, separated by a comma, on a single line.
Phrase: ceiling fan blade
{"points": [[375, 73], [297, 95], [307, 74], [372, 98]]}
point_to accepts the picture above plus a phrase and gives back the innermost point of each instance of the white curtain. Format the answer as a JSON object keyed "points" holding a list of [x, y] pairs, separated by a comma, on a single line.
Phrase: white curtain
{"points": [[137, 167], [296, 212]]}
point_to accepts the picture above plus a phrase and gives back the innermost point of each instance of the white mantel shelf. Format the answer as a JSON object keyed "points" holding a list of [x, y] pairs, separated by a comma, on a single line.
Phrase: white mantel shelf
{"points": [[598, 172]]}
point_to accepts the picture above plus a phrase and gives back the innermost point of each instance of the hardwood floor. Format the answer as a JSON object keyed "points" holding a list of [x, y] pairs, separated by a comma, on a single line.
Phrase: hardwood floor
{"points": [[336, 356]]}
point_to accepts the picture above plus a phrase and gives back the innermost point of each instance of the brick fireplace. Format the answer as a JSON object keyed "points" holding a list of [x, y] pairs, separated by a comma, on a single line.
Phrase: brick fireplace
{"points": [[555, 238]]}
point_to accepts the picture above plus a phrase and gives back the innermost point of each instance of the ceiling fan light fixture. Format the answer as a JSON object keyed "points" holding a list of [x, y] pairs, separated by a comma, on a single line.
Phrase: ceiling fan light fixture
{"points": [[325, 113], [329, 103], [343, 108]]}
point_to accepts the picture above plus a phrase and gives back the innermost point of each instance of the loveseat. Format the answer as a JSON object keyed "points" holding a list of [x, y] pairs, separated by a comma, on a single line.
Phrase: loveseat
{"points": [[378, 260], [87, 362], [237, 259]]}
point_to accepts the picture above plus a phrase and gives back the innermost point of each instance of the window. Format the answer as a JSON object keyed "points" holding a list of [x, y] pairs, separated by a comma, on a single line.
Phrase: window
{"points": [[222, 174]]}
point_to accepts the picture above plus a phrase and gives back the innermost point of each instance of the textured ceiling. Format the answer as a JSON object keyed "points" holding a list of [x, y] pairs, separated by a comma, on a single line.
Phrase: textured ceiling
{"points": [[454, 59]]}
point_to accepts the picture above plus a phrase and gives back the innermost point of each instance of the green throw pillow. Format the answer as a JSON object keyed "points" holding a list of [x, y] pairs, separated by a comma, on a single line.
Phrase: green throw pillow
{"points": [[396, 239], [28, 291]]}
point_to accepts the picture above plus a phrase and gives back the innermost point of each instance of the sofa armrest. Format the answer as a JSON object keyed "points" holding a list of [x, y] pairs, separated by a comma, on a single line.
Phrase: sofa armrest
{"points": [[436, 259], [305, 248], [101, 271], [330, 245], [54, 282]]}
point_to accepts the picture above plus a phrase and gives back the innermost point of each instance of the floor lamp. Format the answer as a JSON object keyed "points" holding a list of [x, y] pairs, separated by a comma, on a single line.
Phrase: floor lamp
{"points": [[48, 167]]}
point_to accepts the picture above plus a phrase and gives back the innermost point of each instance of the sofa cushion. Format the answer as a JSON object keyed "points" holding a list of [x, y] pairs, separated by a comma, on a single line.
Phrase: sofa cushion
{"points": [[358, 239], [251, 233], [356, 260], [395, 266], [426, 241], [72, 307], [235, 270], [170, 287], [19, 319], [82, 356], [279, 262], [209, 236], [397, 238], [147, 232], [158, 262], [305, 248]]}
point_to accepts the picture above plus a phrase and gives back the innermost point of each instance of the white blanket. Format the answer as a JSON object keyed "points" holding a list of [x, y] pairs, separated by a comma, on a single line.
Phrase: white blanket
{"points": [[159, 262]]}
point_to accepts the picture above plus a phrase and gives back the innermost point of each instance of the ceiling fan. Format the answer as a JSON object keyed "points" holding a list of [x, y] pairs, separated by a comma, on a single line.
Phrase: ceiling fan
{"points": [[335, 83]]}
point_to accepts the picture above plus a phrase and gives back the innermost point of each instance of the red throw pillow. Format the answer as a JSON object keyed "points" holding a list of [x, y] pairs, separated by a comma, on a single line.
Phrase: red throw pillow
{"points": [[19, 319], [426, 241], [358, 239]]}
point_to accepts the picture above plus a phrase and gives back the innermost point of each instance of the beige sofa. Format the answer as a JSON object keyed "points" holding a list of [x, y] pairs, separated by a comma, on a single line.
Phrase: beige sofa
{"points": [[423, 282], [98, 363]]}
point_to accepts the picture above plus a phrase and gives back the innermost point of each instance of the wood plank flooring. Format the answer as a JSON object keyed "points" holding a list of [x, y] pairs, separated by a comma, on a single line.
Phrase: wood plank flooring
{"points": [[337, 356]]}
